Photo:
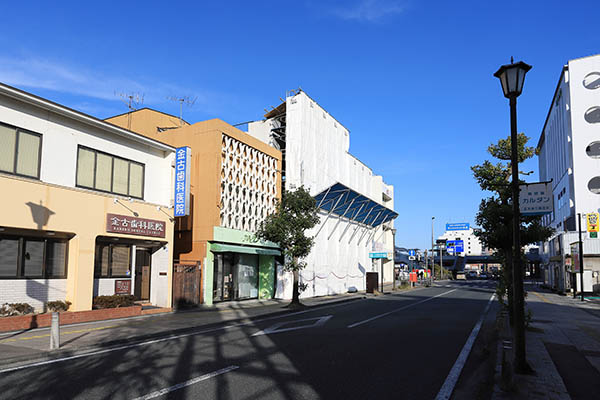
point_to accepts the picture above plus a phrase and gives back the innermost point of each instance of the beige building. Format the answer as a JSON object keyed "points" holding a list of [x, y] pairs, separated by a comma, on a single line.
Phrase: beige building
{"points": [[85, 207], [235, 183]]}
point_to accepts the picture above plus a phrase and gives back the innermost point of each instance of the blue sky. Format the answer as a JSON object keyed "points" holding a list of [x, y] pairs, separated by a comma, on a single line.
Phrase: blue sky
{"points": [[411, 80]]}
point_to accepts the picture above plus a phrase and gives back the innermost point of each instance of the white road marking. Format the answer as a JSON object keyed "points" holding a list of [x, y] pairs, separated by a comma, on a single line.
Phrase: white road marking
{"points": [[173, 388], [319, 321], [398, 309], [450, 382], [173, 337]]}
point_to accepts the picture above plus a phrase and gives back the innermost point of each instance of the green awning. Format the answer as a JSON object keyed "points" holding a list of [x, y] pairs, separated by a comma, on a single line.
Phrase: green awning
{"points": [[231, 248]]}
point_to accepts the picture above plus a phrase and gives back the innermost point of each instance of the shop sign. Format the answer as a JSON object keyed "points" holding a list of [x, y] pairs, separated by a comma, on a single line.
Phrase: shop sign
{"points": [[536, 198], [123, 286], [135, 226], [182, 181], [592, 222], [575, 257]]}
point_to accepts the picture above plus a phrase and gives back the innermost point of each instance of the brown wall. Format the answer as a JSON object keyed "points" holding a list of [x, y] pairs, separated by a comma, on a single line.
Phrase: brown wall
{"points": [[204, 138]]}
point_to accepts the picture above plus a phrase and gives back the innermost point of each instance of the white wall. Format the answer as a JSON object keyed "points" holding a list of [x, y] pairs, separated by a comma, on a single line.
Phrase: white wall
{"points": [[35, 292], [472, 244], [61, 136], [317, 157]]}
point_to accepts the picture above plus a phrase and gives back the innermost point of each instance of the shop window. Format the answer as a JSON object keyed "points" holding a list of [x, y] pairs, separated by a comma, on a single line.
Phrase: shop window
{"points": [[22, 257], [112, 261], [108, 173], [20, 151]]}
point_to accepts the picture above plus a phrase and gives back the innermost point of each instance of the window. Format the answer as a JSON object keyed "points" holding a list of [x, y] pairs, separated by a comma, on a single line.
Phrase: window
{"points": [[108, 173], [112, 261], [25, 257], [20, 151]]}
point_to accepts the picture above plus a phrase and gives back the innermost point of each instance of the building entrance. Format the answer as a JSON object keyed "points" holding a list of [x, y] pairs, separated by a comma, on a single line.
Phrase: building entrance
{"points": [[235, 276], [143, 259]]}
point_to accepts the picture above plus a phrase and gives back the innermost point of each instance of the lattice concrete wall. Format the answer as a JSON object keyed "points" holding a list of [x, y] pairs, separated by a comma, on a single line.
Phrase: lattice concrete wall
{"points": [[248, 185]]}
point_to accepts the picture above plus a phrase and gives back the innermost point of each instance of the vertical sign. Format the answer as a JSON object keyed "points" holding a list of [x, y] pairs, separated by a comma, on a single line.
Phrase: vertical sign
{"points": [[592, 222], [575, 257], [182, 181]]}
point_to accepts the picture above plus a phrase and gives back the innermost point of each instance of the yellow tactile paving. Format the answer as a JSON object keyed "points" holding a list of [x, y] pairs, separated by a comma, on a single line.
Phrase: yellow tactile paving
{"points": [[62, 333], [542, 298]]}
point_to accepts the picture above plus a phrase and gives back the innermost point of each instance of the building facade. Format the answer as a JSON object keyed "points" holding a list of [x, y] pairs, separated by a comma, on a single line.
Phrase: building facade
{"points": [[472, 245], [356, 205], [235, 184], [569, 156], [86, 207]]}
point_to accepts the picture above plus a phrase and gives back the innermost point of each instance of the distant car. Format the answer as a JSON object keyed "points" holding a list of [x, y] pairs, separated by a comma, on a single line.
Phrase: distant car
{"points": [[472, 275], [483, 275]]}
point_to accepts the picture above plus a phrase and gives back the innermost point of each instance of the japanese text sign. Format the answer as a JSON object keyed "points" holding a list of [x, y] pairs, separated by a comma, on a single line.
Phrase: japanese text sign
{"points": [[536, 198], [460, 226], [182, 181], [135, 226], [592, 222]]}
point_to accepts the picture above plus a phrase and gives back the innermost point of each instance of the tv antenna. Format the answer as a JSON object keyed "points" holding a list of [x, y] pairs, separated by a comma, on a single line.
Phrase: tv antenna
{"points": [[133, 101], [189, 101]]}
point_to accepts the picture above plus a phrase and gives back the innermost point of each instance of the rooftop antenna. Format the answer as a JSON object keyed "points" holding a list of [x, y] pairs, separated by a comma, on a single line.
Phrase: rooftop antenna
{"points": [[133, 101], [184, 99]]}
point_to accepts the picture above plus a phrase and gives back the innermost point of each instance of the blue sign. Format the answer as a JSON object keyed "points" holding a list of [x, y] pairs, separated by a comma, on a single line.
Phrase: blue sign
{"points": [[460, 226], [381, 254], [457, 246], [182, 181], [412, 252]]}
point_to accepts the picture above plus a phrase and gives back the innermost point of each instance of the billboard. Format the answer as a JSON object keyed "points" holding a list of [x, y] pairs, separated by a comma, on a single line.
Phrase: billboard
{"points": [[182, 181], [460, 226], [536, 198]]}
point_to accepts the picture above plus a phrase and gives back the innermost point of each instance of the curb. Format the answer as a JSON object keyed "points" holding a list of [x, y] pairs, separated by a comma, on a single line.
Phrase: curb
{"points": [[47, 355]]}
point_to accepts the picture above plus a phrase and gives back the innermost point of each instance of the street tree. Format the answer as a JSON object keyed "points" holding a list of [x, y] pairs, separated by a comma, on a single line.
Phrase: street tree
{"points": [[495, 212], [295, 214]]}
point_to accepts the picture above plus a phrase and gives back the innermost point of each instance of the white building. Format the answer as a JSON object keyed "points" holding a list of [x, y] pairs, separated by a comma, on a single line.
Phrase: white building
{"points": [[356, 205], [569, 156], [85, 207], [472, 245]]}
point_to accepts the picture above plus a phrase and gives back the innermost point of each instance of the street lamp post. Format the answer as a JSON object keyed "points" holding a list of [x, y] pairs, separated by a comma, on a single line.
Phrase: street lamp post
{"points": [[393, 259], [432, 259], [512, 77]]}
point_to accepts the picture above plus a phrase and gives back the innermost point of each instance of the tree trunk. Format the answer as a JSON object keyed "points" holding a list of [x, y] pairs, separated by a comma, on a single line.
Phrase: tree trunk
{"points": [[295, 291]]}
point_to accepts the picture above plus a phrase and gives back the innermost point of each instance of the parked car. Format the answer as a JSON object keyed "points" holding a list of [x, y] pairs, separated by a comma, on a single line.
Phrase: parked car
{"points": [[483, 275], [472, 275]]}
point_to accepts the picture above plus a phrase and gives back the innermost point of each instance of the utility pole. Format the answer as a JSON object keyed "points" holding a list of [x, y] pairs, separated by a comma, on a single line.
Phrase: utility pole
{"points": [[580, 256], [432, 259]]}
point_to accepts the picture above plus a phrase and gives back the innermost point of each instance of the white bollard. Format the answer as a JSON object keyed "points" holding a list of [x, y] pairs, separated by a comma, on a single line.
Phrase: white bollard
{"points": [[55, 332]]}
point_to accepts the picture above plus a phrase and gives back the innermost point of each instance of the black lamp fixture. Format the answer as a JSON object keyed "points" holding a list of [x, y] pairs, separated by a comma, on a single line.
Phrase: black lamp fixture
{"points": [[512, 77]]}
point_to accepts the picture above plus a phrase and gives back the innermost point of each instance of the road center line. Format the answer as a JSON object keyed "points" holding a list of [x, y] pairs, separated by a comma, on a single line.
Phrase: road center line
{"points": [[398, 309], [172, 337], [450, 382], [173, 388]]}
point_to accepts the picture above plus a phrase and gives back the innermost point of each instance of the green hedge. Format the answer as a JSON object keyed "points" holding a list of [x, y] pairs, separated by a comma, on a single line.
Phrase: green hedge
{"points": [[113, 301]]}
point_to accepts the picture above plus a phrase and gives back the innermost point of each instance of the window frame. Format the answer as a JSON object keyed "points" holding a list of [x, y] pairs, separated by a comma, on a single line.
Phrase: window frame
{"points": [[20, 270], [110, 275], [18, 131], [112, 169]]}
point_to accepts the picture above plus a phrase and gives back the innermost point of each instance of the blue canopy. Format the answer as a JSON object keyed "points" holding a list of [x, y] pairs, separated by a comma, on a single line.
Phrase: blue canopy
{"points": [[341, 200]]}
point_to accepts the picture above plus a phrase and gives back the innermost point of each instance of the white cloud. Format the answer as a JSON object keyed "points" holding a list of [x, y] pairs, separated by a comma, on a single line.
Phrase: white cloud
{"points": [[369, 10], [36, 73]]}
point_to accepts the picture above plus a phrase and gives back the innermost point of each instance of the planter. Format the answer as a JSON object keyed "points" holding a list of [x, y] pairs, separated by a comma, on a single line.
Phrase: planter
{"points": [[32, 321]]}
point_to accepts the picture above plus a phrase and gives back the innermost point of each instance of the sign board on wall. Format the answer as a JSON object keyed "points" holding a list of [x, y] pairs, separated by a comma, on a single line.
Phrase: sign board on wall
{"points": [[123, 286], [182, 181], [536, 198], [135, 226], [592, 222], [382, 254], [460, 226], [575, 257]]}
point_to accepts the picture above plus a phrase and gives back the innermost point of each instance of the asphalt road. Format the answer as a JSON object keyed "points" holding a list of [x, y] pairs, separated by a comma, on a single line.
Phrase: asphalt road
{"points": [[400, 346]]}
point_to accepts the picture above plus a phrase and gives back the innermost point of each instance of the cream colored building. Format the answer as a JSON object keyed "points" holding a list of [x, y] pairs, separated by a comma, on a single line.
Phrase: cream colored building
{"points": [[85, 207]]}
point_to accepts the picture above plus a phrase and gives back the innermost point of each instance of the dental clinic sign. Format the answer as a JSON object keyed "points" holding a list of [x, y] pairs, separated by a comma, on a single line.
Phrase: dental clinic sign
{"points": [[182, 181], [536, 198]]}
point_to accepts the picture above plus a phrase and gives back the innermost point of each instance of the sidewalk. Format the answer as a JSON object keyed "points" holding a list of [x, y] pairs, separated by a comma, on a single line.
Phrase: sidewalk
{"points": [[563, 348]]}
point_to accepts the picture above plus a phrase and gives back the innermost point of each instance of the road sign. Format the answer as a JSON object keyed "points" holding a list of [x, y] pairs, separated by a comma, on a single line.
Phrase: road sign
{"points": [[592, 222], [593, 235], [456, 245], [381, 254], [412, 253], [536, 198], [411, 258], [460, 226]]}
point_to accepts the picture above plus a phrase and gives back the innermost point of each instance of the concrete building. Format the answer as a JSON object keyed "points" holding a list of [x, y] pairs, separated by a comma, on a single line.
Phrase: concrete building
{"points": [[472, 245], [235, 182], [356, 205], [569, 156], [85, 207]]}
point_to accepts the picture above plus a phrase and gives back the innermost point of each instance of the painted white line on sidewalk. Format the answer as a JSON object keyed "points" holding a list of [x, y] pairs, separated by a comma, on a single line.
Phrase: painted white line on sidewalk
{"points": [[173, 388], [173, 337], [450, 382], [398, 309]]}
